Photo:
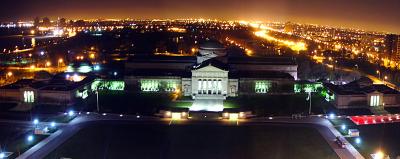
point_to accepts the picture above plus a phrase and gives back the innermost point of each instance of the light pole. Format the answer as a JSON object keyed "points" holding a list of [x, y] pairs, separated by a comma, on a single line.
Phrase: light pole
{"points": [[384, 80], [356, 65], [97, 100], [309, 108], [59, 61], [379, 73]]}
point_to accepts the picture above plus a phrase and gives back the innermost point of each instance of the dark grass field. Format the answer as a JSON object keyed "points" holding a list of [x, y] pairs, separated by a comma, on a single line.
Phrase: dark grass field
{"points": [[384, 137], [13, 139], [152, 141], [282, 104]]}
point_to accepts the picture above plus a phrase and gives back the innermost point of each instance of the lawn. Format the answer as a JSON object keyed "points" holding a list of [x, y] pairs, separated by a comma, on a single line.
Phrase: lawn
{"points": [[129, 103], [127, 140], [14, 139], [281, 104], [384, 137]]}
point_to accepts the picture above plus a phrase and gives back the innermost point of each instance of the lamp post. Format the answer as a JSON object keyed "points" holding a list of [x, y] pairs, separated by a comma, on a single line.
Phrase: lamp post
{"points": [[384, 80], [309, 99], [60, 61], [97, 100], [379, 73], [309, 108]]}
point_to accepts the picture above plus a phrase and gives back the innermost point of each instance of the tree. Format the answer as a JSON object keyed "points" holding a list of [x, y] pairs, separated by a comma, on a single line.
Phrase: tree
{"points": [[304, 70], [36, 22], [46, 22], [62, 22]]}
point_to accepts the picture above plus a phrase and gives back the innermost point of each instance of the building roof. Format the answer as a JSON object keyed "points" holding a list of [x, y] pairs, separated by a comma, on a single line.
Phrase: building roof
{"points": [[211, 44], [162, 59], [260, 74], [212, 62], [57, 83], [158, 72], [360, 87], [274, 60], [19, 84]]}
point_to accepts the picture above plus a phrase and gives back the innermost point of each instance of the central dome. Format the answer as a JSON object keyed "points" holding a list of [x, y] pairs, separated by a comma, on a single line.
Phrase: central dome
{"points": [[210, 49]]}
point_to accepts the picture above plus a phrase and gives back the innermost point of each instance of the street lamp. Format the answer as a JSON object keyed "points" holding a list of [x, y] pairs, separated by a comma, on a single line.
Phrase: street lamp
{"points": [[343, 127], [71, 113], [36, 121], [48, 63], [97, 100], [30, 138], [379, 73], [358, 140], [53, 124], [309, 97], [60, 61], [384, 80], [331, 116], [9, 74]]}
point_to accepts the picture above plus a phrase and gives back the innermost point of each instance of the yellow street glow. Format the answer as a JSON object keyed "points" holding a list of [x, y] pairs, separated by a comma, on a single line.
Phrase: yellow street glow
{"points": [[295, 46], [379, 155]]}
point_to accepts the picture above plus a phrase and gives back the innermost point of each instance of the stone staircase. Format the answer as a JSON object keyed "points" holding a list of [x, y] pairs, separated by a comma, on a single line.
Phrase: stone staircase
{"points": [[378, 110]]}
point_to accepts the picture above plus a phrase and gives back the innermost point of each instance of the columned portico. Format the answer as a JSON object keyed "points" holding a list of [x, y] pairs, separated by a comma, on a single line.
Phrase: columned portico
{"points": [[209, 82], [209, 87]]}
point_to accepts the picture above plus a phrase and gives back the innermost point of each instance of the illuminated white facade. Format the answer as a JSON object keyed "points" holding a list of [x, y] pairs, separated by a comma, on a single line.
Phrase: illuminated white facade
{"points": [[209, 82]]}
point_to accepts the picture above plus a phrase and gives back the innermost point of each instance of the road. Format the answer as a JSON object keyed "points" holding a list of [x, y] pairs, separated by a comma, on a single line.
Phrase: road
{"points": [[48, 145]]}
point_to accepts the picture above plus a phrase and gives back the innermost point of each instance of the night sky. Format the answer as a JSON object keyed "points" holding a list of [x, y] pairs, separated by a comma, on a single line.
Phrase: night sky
{"points": [[376, 15]]}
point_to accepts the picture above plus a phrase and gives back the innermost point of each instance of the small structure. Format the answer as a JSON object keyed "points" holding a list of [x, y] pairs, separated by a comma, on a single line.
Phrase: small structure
{"points": [[174, 113], [235, 114], [354, 132], [41, 130]]}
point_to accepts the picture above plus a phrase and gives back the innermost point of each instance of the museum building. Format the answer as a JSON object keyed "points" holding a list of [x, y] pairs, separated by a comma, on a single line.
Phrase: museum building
{"points": [[211, 76]]}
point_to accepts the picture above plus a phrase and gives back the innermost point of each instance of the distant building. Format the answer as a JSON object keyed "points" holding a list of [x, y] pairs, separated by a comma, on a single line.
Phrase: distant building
{"points": [[212, 76], [362, 93], [392, 47]]}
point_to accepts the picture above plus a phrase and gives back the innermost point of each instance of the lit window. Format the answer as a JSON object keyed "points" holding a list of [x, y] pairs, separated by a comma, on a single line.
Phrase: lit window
{"points": [[29, 97], [262, 86], [171, 86], [149, 85], [374, 101]]}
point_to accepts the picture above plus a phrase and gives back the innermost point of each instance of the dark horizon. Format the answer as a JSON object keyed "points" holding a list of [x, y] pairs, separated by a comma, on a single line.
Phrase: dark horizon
{"points": [[370, 15]]}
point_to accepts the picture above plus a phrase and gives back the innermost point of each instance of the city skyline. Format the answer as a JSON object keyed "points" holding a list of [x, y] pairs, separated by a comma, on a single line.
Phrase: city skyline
{"points": [[370, 15]]}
